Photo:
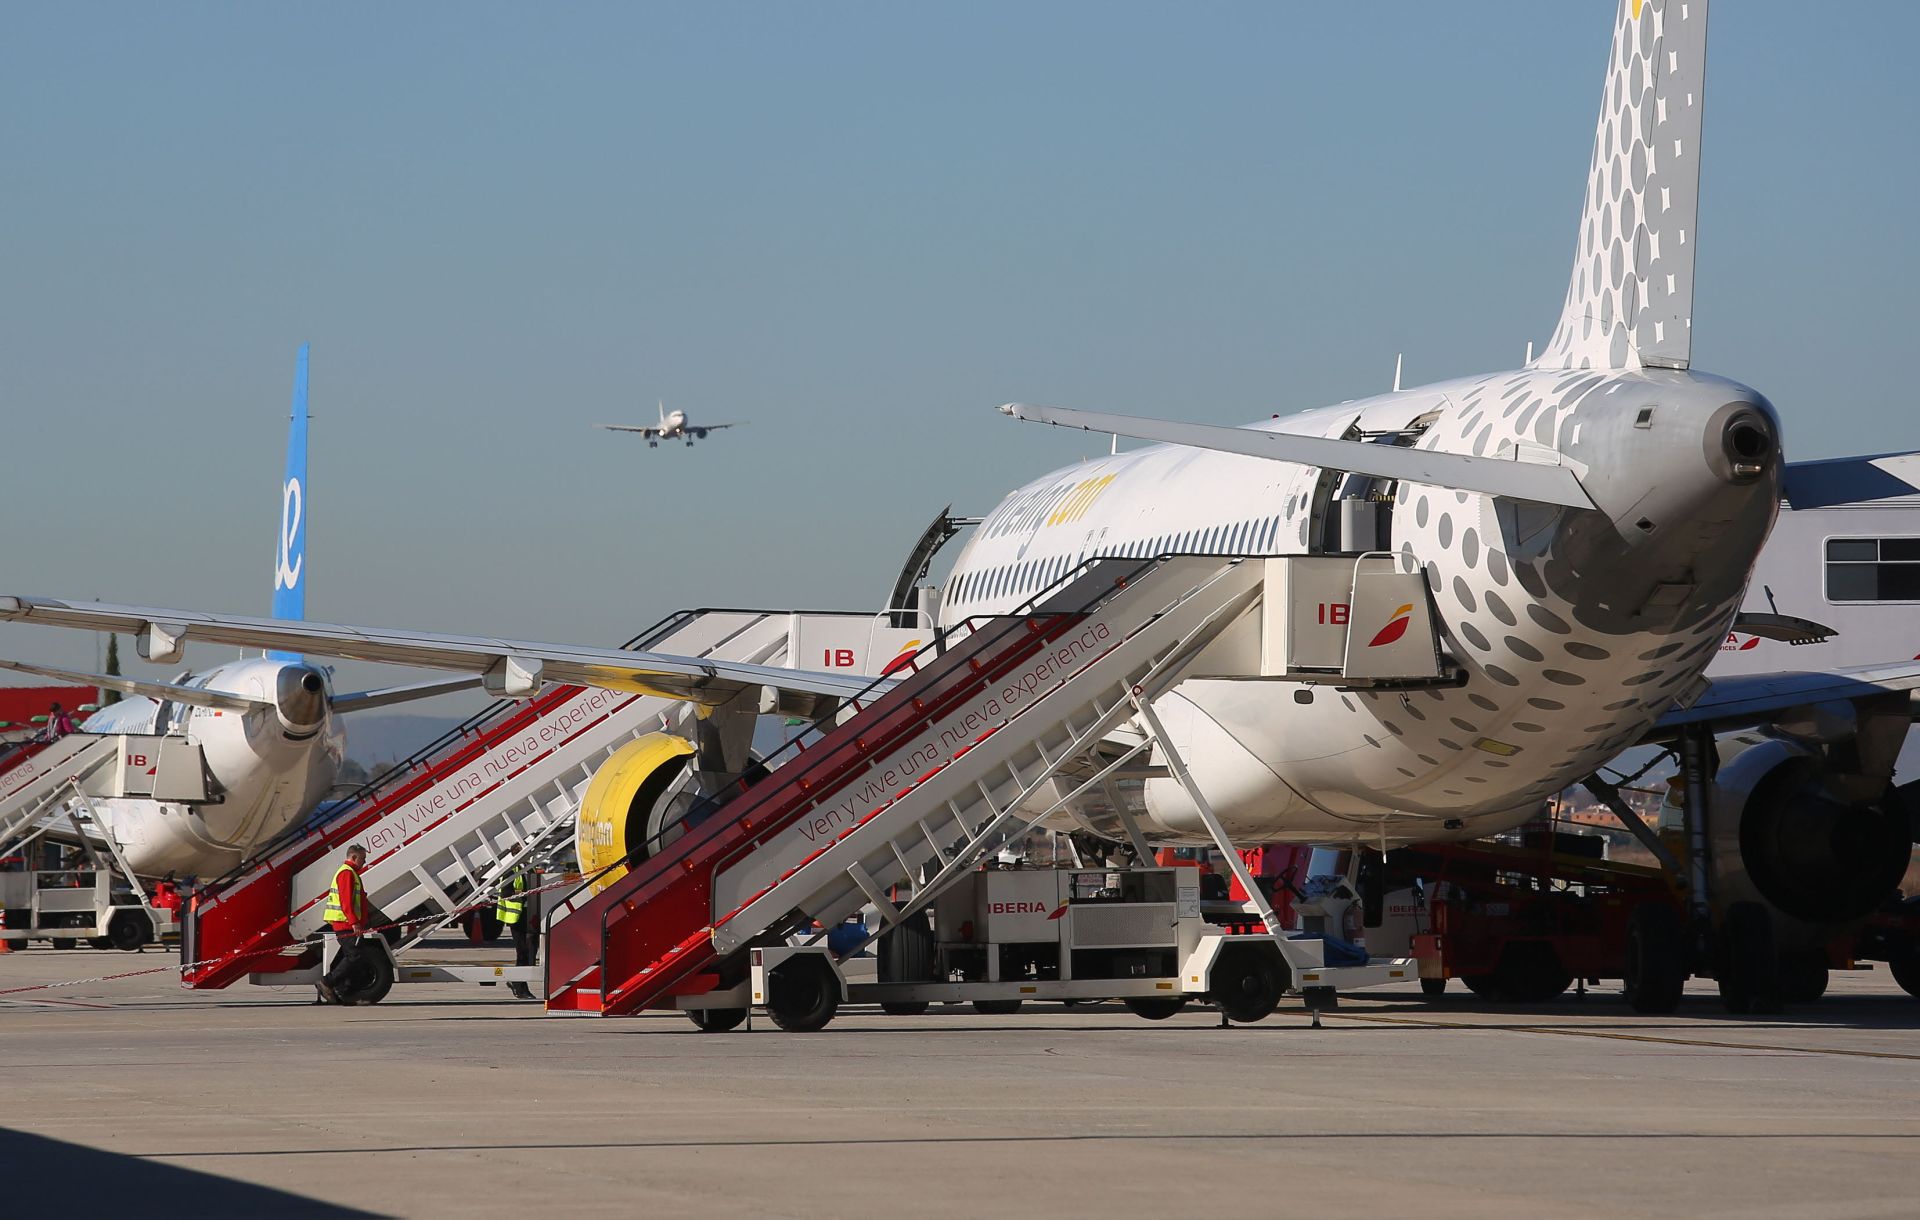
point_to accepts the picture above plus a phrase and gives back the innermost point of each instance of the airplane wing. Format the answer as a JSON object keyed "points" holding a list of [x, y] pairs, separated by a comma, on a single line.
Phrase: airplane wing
{"points": [[511, 668], [642, 429], [738, 423], [1849, 480], [139, 686], [1517, 480], [387, 696], [1745, 700]]}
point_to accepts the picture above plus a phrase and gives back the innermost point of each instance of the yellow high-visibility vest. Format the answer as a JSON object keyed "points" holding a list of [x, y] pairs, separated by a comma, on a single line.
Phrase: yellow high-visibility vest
{"points": [[333, 912], [510, 907]]}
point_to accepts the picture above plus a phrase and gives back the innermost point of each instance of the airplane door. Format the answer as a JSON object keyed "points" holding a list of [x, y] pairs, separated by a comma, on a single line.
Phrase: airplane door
{"points": [[1090, 546]]}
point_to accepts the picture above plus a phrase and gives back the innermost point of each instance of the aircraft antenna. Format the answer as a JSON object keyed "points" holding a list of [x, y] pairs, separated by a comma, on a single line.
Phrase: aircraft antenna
{"points": [[1396, 371]]}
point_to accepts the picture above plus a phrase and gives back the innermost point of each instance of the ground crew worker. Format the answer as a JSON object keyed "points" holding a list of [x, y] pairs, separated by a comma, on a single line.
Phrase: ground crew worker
{"points": [[346, 914], [520, 913]]}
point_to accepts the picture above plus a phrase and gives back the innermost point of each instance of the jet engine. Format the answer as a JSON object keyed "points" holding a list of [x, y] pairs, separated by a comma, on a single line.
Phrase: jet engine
{"points": [[300, 700], [1809, 826], [633, 805]]}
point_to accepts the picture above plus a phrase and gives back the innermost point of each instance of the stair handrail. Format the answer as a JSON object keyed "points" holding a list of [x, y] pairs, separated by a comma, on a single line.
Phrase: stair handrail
{"points": [[1044, 604]]}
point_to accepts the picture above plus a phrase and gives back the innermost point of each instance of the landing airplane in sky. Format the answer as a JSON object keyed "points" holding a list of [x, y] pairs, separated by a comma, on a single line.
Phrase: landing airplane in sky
{"points": [[1586, 524], [673, 425], [267, 727]]}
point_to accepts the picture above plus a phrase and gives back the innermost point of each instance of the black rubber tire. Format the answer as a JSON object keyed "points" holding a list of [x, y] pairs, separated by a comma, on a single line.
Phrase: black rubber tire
{"points": [[1530, 973], [802, 995], [1746, 970], [129, 930], [1655, 972], [1248, 982], [100, 942], [1153, 1007], [1803, 979], [62, 942], [1486, 986], [1906, 972], [904, 1008], [996, 1008], [716, 1020], [371, 980], [1433, 989]]}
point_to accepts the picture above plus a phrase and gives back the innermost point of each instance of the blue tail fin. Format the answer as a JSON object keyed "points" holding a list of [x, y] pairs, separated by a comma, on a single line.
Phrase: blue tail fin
{"points": [[290, 562]]}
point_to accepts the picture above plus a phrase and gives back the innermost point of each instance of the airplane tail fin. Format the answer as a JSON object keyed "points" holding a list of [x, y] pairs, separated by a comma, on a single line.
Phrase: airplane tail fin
{"points": [[1630, 302], [290, 559]]}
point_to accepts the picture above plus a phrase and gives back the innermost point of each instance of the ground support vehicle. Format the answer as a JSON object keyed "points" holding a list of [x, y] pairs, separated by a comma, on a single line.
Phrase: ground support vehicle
{"points": [[67, 906], [1003, 936], [1522, 924]]}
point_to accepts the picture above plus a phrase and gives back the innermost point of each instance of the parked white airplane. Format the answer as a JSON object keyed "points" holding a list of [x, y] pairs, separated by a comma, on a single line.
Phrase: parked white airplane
{"points": [[266, 726], [1587, 526], [673, 425]]}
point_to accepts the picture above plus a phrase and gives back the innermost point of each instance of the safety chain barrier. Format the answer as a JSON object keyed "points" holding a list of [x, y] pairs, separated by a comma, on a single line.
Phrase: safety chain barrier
{"points": [[224, 959]]}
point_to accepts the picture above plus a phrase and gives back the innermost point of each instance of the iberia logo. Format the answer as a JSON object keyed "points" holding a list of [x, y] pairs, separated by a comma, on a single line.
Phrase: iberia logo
{"points": [[901, 661], [1736, 644], [1395, 628]]}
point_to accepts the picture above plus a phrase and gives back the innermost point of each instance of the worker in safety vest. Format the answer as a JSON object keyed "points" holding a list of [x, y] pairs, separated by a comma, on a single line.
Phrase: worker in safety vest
{"points": [[519, 911], [346, 914]]}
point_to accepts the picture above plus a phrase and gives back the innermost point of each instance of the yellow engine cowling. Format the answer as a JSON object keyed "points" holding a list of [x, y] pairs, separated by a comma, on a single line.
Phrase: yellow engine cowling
{"points": [[612, 824]]}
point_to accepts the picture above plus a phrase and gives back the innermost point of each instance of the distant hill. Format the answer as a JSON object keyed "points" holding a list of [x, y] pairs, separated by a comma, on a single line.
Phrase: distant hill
{"points": [[373, 740]]}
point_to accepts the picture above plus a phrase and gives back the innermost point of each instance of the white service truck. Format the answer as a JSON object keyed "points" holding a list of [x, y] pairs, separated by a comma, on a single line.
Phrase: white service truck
{"points": [[1002, 936], [66, 906]]}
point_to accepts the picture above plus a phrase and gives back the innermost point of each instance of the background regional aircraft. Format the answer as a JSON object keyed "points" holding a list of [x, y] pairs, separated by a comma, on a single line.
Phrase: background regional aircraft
{"points": [[1586, 527], [265, 727], [673, 425]]}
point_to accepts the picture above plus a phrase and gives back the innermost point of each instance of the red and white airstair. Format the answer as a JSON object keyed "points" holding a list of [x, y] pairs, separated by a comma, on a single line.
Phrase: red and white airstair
{"points": [[918, 782], [445, 829], [41, 778]]}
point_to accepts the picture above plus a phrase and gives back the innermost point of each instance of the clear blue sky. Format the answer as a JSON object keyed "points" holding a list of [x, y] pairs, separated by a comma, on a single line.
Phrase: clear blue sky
{"points": [[859, 227]]}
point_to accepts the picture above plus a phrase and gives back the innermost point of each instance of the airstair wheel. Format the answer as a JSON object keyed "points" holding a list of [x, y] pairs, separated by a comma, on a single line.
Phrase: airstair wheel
{"points": [[802, 995]]}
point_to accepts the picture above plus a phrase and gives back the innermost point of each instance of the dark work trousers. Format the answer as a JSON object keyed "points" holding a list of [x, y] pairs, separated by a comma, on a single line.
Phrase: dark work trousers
{"points": [[346, 959], [526, 938]]}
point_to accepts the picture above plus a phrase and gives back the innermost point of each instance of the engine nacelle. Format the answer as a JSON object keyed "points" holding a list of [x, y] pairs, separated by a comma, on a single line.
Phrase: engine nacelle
{"points": [[1787, 830], [631, 805]]}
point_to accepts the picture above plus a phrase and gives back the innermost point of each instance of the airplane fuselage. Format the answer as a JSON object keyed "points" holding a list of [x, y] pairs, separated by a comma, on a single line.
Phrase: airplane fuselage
{"points": [[266, 768], [1575, 628]]}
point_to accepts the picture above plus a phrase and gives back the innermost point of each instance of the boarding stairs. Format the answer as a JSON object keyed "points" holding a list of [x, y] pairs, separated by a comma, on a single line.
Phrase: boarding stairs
{"points": [[35, 788], [926, 776], [445, 829]]}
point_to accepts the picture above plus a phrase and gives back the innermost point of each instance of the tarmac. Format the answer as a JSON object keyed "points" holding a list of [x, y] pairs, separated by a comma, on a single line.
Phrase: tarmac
{"points": [[453, 1100]]}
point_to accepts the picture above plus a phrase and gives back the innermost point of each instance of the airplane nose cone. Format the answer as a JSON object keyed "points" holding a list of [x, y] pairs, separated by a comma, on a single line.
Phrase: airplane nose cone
{"points": [[301, 696]]}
